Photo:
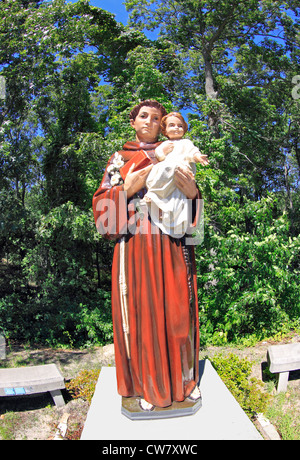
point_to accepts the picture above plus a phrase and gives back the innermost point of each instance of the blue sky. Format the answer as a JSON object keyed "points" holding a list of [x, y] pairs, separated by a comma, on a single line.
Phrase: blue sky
{"points": [[117, 8], [113, 6]]}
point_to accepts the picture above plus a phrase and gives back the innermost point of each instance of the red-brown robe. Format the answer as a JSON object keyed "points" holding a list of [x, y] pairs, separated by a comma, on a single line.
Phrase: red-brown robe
{"points": [[161, 298]]}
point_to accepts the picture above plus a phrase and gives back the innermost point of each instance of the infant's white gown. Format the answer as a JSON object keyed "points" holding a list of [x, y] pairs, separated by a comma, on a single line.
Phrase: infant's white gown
{"points": [[169, 208]]}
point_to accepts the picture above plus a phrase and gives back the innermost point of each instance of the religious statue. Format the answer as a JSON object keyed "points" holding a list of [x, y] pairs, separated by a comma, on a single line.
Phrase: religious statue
{"points": [[154, 291]]}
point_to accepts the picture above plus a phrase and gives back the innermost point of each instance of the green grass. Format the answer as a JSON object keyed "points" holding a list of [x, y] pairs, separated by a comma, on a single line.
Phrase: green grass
{"points": [[283, 415], [7, 424]]}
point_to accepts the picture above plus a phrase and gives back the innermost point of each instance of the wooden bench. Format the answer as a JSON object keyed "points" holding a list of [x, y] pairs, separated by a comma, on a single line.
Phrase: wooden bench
{"points": [[32, 380], [282, 359]]}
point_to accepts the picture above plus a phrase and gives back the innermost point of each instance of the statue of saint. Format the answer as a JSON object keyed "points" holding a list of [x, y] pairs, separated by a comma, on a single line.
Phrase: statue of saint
{"points": [[154, 291]]}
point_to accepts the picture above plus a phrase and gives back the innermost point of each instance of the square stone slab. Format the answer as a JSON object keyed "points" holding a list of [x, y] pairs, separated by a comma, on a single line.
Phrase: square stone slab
{"points": [[220, 417]]}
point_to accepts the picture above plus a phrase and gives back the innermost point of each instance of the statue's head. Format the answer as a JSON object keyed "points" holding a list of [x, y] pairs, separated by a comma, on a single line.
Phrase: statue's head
{"points": [[145, 119], [147, 103]]}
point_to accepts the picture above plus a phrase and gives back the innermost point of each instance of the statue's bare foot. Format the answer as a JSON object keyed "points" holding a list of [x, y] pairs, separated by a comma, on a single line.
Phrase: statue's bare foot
{"points": [[195, 394], [145, 405]]}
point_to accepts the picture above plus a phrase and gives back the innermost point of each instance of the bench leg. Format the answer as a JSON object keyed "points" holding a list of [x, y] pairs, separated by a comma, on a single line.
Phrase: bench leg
{"points": [[57, 398], [282, 381]]}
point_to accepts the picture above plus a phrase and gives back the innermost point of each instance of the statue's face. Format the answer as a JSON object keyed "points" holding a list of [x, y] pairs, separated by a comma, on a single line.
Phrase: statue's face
{"points": [[147, 124], [174, 128]]}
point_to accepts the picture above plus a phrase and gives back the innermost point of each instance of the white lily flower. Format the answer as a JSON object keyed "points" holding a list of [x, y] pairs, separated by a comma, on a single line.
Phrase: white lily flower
{"points": [[111, 169], [118, 161], [116, 178]]}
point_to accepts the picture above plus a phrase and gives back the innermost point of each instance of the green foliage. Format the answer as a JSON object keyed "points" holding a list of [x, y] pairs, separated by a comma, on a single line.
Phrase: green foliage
{"points": [[83, 386], [248, 276], [72, 75], [235, 373], [95, 323], [58, 318]]}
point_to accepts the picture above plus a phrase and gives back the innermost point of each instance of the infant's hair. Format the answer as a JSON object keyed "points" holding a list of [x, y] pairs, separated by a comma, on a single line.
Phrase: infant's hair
{"points": [[148, 103], [172, 114]]}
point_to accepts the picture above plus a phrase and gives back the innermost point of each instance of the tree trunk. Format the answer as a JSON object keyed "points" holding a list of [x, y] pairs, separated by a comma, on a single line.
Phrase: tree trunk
{"points": [[211, 93], [287, 186]]}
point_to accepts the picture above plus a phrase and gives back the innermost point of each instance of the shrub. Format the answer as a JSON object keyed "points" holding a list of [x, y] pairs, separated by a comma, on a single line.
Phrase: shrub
{"points": [[235, 373], [83, 386]]}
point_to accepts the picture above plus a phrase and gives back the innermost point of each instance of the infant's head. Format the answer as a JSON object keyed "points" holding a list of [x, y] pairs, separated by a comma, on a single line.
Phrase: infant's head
{"points": [[173, 126]]}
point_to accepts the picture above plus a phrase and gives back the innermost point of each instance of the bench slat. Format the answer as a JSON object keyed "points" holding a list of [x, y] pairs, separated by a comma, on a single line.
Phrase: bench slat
{"points": [[284, 358]]}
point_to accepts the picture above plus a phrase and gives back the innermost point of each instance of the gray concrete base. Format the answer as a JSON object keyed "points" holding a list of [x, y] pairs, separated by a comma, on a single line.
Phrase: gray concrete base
{"points": [[219, 418], [131, 409]]}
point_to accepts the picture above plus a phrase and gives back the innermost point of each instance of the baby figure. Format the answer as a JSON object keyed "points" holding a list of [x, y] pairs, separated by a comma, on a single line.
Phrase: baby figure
{"points": [[167, 205]]}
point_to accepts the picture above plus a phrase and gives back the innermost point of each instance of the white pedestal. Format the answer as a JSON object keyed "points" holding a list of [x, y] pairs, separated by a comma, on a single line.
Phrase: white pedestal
{"points": [[220, 417]]}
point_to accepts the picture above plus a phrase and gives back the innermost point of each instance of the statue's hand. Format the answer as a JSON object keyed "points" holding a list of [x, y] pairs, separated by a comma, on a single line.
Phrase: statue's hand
{"points": [[185, 181], [136, 180], [168, 147]]}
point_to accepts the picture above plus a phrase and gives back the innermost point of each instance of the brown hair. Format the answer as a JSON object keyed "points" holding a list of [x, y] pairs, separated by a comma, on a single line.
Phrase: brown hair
{"points": [[148, 103], [172, 114]]}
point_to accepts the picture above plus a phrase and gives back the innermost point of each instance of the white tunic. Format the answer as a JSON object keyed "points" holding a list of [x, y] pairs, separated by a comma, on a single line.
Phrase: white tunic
{"points": [[169, 208]]}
